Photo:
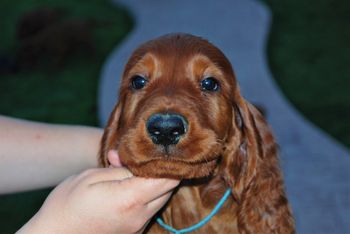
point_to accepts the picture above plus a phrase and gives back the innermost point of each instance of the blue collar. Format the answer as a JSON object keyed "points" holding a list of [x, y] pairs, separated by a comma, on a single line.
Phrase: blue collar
{"points": [[202, 222]]}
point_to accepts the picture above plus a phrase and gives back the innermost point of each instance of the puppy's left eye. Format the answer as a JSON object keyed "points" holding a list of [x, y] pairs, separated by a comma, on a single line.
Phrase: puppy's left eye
{"points": [[210, 84]]}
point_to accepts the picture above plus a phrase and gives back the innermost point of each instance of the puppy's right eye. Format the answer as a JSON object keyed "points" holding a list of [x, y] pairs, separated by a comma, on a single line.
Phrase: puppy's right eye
{"points": [[210, 84], [138, 82]]}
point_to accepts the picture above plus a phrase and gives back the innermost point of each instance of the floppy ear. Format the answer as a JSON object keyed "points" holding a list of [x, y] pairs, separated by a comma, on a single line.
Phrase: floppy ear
{"points": [[244, 148], [251, 169], [109, 137]]}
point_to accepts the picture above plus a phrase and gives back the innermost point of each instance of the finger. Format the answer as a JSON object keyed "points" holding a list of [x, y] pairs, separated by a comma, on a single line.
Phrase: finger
{"points": [[142, 191], [114, 159], [155, 205], [105, 174], [146, 190], [143, 227]]}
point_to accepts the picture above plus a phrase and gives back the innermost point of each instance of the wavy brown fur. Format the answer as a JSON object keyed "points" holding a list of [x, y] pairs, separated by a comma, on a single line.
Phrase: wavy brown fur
{"points": [[228, 143]]}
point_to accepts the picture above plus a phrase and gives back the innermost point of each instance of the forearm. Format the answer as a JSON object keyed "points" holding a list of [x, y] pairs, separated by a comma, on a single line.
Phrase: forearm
{"points": [[35, 155]]}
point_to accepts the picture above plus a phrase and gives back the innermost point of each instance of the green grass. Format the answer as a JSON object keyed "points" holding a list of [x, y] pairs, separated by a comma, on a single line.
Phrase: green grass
{"points": [[64, 94], [309, 54]]}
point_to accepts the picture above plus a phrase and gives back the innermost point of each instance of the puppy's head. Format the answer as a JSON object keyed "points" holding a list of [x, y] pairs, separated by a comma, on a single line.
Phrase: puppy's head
{"points": [[175, 111]]}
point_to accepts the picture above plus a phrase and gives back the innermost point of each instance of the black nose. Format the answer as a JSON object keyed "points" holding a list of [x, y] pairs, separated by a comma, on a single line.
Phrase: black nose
{"points": [[166, 129]]}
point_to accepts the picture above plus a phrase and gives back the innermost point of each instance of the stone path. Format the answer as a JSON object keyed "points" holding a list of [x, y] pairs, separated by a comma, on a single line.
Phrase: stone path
{"points": [[316, 168]]}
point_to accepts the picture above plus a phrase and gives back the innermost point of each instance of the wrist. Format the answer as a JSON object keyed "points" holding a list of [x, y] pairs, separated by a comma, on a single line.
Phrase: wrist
{"points": [[38, 224], [31, 226]]}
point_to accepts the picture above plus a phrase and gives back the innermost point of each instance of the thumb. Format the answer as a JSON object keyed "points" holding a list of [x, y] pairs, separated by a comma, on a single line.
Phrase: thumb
{"points": [[102, 175], [113, 158]]}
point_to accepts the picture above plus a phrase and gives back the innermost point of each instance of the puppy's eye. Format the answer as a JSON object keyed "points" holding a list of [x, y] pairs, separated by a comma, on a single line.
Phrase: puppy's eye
{"points": [[210, 84], [138, 82]]}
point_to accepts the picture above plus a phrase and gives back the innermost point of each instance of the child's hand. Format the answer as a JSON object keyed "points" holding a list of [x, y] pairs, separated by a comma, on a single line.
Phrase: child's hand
{"points": [[108, 200]]}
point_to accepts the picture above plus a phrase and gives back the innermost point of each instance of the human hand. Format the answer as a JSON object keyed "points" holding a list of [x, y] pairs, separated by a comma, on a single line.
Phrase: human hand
{"points": [[106, 200]]}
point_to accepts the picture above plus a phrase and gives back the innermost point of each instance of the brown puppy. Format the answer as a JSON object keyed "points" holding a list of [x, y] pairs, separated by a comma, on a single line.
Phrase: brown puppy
{"points": [[180, 115]]}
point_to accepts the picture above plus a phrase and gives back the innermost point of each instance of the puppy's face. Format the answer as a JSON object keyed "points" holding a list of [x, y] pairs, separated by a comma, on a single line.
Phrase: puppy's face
{"points": [[175, 109]]}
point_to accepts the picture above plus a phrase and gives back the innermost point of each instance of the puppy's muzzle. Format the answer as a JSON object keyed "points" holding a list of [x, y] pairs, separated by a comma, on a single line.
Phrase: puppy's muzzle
{"points": [[166, 128]]}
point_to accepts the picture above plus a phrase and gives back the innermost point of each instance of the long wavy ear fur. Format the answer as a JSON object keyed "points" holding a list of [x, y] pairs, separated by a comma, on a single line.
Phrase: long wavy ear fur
{"points": [[251, 169], [109, 137]]}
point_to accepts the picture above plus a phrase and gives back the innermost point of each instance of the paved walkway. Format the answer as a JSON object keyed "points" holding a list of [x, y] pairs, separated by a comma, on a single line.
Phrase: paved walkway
{"points": [[316, 168]]}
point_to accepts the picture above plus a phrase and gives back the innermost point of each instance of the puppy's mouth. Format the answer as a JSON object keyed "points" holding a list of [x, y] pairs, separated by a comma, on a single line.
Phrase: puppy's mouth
{"points": [[150, 160], [165, 146], [167, 151], [172, 168]]}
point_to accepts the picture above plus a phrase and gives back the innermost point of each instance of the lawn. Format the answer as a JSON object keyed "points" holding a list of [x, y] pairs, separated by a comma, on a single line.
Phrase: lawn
{"points": [[309, 55], [56, 93]]}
